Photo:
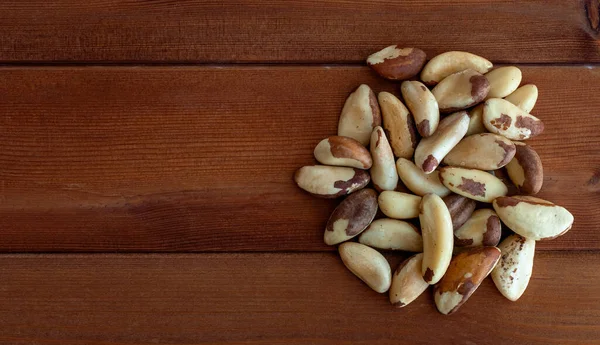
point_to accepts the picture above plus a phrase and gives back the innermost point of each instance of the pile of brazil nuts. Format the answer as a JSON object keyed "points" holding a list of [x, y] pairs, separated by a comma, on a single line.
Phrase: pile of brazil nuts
{"points": [[438, 161]]}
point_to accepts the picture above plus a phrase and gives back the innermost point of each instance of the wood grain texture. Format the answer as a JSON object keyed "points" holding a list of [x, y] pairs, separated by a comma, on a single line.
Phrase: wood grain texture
{"points": [[117, 31], [201, 159], [275, 298]]}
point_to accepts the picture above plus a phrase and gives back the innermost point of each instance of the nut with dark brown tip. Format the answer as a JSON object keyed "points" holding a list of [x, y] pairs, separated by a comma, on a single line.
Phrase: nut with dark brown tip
{"points": [[343, 151], [504, 118], [438, 237], [484, 151], [383, 170], [351, 217], [360, 115], [464, 275], [460, 209], [396, 63], [399, 125], [452, 62], [422, 105], [525, 169], [482, 229], [407, 282], [330, 182], [461, 90]]}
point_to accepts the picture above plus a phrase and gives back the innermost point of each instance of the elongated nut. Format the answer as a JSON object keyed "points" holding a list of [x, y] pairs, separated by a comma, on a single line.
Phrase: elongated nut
{"points": [[351, 217], [513, 271], [360, 115], [330, 182], [503, 81], [482, 229], [407, 282], [343, 151], [398, 124], [422, 105], [367, 264], [452, 62], [397, 63], [533, 218], [471, 183], [504, 118], [524, 97], [476, 121], [399, 205], [525, 170], [464, 275], [438, 237], [460, 91], [460, 209], [392, 234], [383, 171], [432, 150], [485, 151], [417, 181]]}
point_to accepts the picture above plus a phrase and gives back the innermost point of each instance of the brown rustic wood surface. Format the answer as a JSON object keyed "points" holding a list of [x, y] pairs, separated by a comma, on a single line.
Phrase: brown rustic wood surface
{"points": [[275, 298], [113, 31], [202, 158], [167, 144]]}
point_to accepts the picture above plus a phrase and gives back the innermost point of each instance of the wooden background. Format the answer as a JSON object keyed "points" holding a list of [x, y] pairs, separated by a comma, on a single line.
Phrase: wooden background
{"points": [[147, 151]]}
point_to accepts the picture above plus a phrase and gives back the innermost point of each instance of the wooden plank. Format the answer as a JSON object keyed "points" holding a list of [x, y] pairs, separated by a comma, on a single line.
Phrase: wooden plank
{"points": [[201, 159], [540, 31], [275, 298]]}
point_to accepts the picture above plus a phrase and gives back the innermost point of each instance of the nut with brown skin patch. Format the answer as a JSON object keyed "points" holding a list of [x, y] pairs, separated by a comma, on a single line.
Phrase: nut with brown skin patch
{"points": [[471, 183], [460, 209], [525, 169], [330, 182], [351, 217], [383, 170], [464, 275], [482, 229], [360, 115], [423, 106], [396, 63], [367, 264], [392, 234], [533, 218], [485, 151], [343, 151], [438, 237], [452, 62], [513, 271], [503, 81], [504, 118], [407, 282], [432, 150], [460, 91], [399, 125]]}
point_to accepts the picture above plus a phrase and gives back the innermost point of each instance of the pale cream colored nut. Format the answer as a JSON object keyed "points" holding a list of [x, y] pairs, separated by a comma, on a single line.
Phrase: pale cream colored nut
{"points": [[397, 63], [503, 81], [438, 237], [525, 170], [432, 150], [484, 151], [464, 275], [383, 170], [452, 62], [399, 205], [513, 271], [461, 90], [351, 217], [472, 183], [422, 105], [367, 264], [476, 121], [399, 125], [504, 118], [417, 181], [360, 115], [392, 234], [524, 97], [330, 182], [533, 218], [460, 209], [482, 229], [407, 282], [343, 151]]}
